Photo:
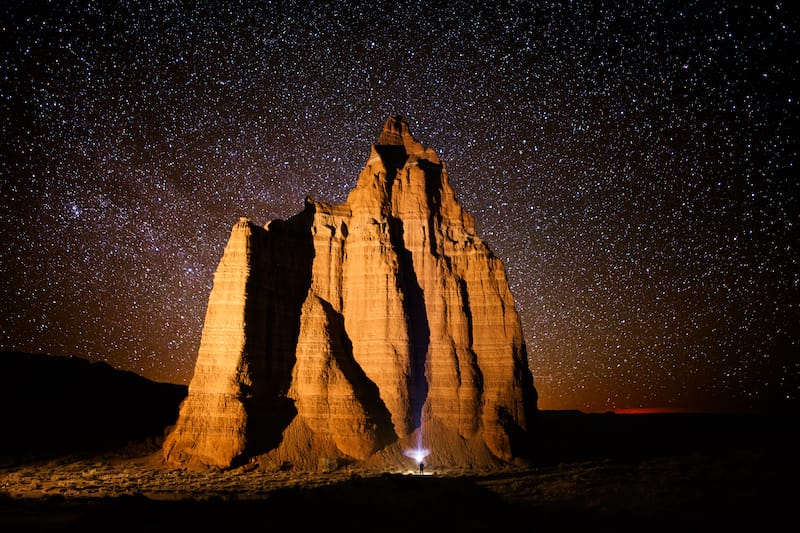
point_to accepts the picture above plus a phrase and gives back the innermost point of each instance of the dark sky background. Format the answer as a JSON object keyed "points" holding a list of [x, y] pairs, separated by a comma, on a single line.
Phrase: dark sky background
{"points": [[634, 164]]}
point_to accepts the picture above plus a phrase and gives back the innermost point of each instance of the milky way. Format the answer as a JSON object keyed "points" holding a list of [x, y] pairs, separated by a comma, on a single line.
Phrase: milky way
{"points": [[634, 165]]}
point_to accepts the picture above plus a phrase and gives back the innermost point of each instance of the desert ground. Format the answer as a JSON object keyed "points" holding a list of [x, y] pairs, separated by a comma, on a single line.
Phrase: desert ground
{"points": [[707, 484], [90, 462]]}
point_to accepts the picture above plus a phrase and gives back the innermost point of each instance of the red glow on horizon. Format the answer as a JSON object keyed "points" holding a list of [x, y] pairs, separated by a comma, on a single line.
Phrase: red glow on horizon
{"points": [[656, 410]]}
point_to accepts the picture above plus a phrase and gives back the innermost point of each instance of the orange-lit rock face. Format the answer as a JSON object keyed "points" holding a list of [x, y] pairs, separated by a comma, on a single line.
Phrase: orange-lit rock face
{"points": [[347, 329]]}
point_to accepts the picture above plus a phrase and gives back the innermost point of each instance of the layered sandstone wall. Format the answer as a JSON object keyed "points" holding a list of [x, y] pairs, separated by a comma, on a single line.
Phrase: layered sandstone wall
{"points": [[359, 326], [213, 419]]}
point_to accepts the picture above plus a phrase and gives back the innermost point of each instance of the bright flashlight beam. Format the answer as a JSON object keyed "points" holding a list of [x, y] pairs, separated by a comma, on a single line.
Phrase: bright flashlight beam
{"points": [[418, 454]]}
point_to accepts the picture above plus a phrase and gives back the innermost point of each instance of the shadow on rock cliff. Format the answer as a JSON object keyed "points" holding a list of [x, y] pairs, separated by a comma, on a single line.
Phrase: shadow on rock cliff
{"points": [[55, 406]]}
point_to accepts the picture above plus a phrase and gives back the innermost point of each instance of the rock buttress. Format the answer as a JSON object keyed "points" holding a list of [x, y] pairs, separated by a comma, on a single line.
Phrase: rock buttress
{"points": [[211, 426], [237, 404], [460, 355]]}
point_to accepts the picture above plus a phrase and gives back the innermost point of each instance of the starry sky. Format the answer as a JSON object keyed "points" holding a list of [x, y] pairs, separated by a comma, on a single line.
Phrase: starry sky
{"points": [[634, 165]]}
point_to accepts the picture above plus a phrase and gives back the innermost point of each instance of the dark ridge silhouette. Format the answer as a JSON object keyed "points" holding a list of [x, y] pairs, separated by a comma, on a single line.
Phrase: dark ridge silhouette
{"points": [[568, 436], [54, 406]]}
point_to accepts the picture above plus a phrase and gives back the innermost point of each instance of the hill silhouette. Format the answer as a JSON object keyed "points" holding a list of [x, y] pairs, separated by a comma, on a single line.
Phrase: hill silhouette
{"points": [[65, 405]]}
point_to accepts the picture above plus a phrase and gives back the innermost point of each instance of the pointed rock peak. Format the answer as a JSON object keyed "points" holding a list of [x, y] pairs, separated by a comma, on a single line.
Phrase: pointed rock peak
{"points": [[395, 143], [395, 131]]}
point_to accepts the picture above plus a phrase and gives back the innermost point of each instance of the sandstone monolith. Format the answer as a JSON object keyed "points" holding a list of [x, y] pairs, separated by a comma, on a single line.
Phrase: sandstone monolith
{"points": [[351, 332]]}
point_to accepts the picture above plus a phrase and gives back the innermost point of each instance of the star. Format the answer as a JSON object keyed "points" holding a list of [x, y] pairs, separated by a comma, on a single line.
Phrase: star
{"points": [[633, 166]]}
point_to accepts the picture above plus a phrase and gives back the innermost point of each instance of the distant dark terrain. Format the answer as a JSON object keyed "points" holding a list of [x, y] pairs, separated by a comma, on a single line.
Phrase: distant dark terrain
{"points": [[75, 436], [65, 405], [569, 436]]}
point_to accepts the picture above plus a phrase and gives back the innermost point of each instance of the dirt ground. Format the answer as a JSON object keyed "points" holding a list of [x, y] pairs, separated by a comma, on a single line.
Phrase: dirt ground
{"points": [[603, 473]]}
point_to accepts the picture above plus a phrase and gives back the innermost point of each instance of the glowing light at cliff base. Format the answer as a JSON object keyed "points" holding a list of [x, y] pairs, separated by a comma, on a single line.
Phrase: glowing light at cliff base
{"points": [[418, 454]]}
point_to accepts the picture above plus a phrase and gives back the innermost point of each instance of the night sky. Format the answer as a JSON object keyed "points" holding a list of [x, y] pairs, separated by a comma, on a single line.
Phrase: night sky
{"points": [[634, 165]]}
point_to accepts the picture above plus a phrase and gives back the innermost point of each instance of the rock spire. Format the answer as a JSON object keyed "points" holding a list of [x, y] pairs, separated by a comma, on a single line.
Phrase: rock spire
{"points": [[352, 332]]}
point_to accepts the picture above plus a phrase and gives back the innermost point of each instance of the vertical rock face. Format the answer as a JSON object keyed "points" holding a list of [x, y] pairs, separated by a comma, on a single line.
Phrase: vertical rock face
{"points": [[355, 330]]}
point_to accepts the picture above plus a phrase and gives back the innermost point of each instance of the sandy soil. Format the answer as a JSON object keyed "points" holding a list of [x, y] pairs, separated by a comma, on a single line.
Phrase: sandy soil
{"points": [[735, 490]]}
